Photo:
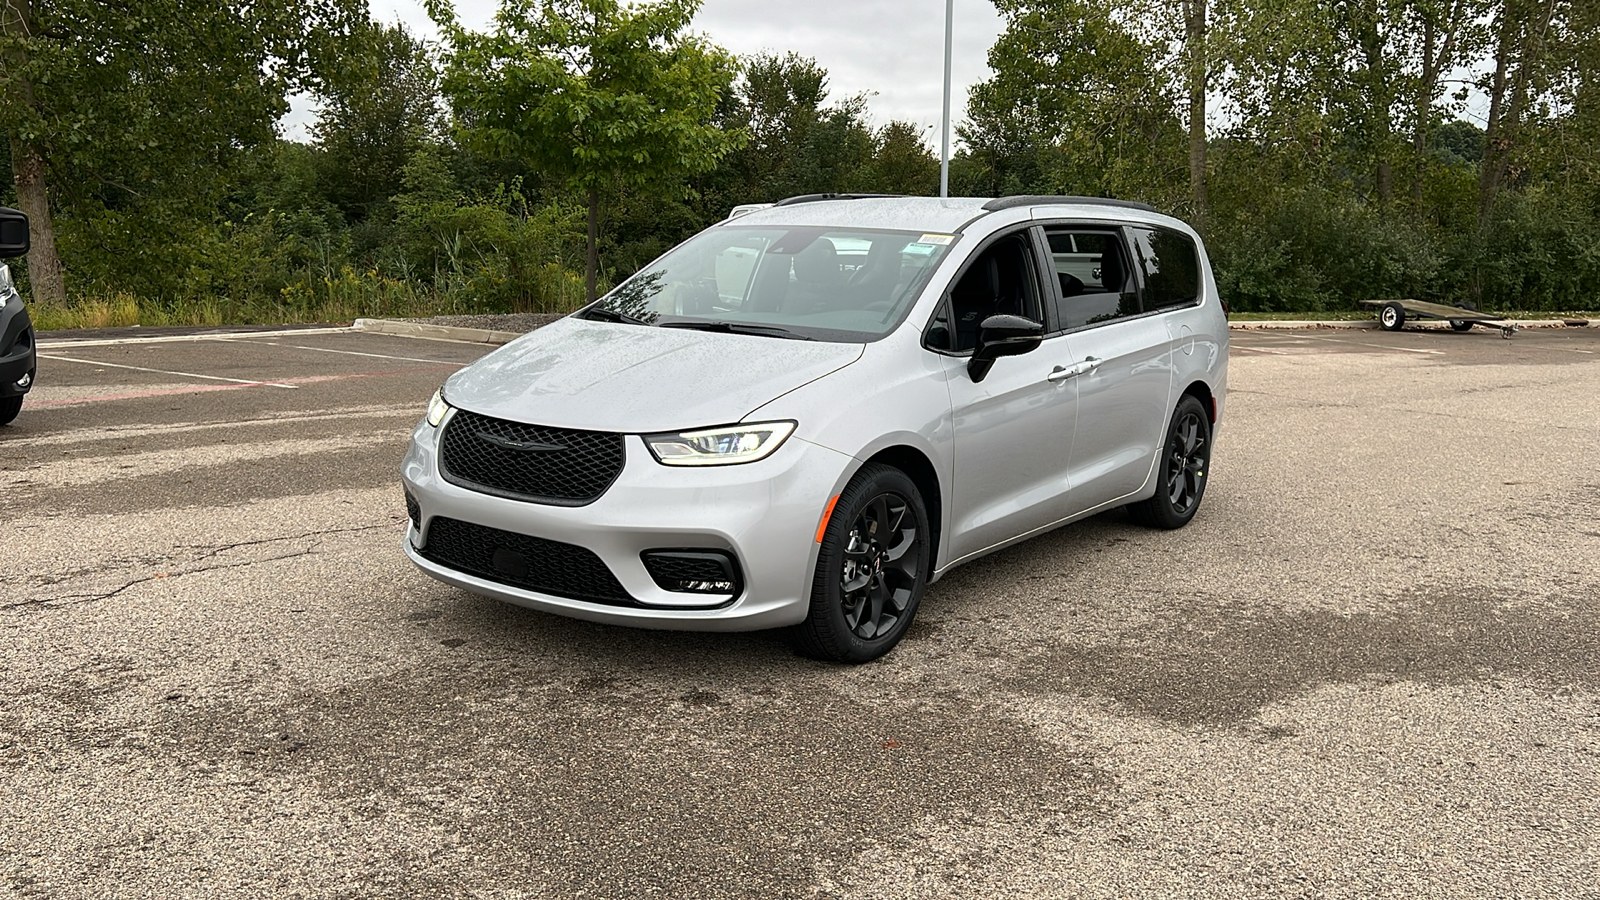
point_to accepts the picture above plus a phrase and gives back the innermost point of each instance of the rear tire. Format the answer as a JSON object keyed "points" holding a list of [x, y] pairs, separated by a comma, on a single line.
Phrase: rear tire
{"points": [[1392, 317], [1181, 471], [1458, 325], [871, 569], [9, 407]]}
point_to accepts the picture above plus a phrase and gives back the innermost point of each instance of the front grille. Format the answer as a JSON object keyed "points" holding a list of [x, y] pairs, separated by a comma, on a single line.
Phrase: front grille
{"points": [[557, 466], [519, 560]]}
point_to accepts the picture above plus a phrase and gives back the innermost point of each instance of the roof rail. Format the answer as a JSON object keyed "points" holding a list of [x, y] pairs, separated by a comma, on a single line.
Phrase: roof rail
{"points": [[1000, 203], [813, 198]]}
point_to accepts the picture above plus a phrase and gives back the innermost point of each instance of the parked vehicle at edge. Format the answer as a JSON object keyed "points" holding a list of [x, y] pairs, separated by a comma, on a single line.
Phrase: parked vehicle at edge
{"points": [[18, 359], [804, 416]]}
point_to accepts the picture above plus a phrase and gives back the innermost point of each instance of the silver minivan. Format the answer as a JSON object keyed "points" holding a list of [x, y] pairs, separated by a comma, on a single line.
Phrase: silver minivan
{"points": [[803, 416]]}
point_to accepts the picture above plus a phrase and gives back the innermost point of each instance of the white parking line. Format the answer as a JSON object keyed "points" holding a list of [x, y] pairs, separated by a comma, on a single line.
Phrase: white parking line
{"points": [[1374, 346], [90, 362], [179, 338], [443, 362]]}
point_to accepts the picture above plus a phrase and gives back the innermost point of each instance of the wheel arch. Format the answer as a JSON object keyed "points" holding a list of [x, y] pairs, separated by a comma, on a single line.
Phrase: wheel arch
{"points": [[1201, 391], [920, 469]]}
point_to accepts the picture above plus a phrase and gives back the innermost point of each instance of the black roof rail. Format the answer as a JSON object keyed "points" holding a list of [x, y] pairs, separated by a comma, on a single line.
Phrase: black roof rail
{"points": [[1000, 203], [813, 198]]}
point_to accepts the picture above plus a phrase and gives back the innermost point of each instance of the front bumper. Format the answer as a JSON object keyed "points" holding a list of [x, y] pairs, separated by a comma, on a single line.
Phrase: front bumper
{"points": [[765, 514], [18, 357]]}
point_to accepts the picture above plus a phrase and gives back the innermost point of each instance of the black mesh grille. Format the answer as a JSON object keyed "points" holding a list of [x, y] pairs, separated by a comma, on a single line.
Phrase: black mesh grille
{"points": [[529, 462], [518, 560], [413, 511]]}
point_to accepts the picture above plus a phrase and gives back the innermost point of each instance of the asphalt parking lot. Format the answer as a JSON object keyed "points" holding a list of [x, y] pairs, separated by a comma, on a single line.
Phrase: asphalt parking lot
{"points": [[1367, 669]]}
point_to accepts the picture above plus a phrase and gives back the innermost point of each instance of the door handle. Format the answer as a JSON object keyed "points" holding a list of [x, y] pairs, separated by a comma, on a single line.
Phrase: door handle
{"points": [[1059, 374]]}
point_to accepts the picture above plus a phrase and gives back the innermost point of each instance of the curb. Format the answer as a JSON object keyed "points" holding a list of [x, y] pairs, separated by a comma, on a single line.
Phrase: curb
{"points": [[436, 332]]}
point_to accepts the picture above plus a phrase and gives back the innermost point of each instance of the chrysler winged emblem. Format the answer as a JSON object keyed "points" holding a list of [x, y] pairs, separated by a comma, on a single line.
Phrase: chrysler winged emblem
{"points": [[523, 446]]}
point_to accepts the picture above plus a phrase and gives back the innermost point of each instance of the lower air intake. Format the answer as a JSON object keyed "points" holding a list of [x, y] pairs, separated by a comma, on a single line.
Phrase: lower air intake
{"points": [[523, 561]]}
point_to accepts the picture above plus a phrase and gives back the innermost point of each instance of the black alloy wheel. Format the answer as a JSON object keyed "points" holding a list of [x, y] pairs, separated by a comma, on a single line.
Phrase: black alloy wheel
{"points": [[871, 569], [1185, 460]]}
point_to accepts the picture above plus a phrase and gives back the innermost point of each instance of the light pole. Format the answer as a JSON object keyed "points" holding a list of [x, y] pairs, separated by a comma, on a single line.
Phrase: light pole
{"points": [[944, 149]]}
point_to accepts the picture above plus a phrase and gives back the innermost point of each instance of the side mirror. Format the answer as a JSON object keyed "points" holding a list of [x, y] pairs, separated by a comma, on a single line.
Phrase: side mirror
{"points": [[1002, 336], [13, 232]]}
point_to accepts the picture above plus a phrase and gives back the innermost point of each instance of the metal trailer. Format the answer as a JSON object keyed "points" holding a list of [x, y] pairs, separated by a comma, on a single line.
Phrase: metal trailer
{"points": [[1392, 315]]}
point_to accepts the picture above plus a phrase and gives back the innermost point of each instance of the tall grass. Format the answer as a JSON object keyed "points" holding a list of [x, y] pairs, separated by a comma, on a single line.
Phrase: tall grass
{"points": [[335, 298]]}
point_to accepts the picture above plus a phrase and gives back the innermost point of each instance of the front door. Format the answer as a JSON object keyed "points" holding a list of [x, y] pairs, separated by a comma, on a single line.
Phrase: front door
{"points": [[1012, 430]]}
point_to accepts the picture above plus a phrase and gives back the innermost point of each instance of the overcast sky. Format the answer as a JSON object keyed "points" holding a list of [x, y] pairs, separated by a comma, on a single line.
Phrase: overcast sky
{"points": [[892, 50]]}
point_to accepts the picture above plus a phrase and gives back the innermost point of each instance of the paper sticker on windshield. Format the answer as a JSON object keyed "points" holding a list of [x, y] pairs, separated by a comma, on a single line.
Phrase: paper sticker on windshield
{"points": [[919, 249], [938, 240]]}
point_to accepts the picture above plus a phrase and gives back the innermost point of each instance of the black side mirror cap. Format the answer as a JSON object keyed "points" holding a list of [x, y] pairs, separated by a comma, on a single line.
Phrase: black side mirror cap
{"points": [[13, 232], [1003, 335]]}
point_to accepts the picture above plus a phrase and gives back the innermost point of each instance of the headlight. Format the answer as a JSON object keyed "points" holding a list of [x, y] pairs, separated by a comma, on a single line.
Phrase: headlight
{"points": [[719, 446], [5, 282], [437, 408]]}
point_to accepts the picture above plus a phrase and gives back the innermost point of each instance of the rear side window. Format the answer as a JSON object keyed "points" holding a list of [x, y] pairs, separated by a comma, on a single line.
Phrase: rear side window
{"points": [[1171, 267], [1096, 281]]}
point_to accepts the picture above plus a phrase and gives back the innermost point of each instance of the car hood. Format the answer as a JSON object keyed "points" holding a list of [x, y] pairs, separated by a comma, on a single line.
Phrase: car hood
{"points": [[601, 376]]}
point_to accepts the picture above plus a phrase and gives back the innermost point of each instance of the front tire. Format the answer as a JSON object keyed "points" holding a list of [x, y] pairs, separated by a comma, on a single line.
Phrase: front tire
{"points": [[871, 570], [1185, 460], [9, 407], [1458, 325]]}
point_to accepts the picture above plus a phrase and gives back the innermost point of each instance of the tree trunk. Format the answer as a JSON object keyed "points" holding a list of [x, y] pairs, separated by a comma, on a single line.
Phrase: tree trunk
{"points": [[1195, 39], [1423, 111], [1379, 98], [593, 265], [45, 274], [1523, 47]]}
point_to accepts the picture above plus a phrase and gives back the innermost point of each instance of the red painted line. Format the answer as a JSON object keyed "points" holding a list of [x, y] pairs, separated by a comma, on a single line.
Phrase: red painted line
{"points": [[206, 388]]}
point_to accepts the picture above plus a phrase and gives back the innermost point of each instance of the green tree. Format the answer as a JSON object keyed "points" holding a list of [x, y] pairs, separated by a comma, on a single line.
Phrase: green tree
{"points": [[901, 162], [603, 96], [378, 112], [1528, 67], [123, 104], [1078, 103]]}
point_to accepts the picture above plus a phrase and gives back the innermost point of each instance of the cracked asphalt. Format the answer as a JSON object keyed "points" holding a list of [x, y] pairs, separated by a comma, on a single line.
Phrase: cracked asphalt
{"points": [[1367, 669]]}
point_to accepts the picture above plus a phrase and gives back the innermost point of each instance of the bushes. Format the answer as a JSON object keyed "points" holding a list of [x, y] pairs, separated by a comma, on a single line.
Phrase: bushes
{"points": [[430, 249], [1316, 249]]}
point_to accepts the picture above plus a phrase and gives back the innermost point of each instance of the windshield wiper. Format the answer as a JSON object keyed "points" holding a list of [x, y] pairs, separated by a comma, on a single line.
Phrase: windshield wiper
{"points": [[600, 313], [740, 328]]}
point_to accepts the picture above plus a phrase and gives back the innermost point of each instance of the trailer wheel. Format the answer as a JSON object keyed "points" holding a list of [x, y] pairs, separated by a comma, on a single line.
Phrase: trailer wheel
{"points": [[1458, 325], [1392, 317]]}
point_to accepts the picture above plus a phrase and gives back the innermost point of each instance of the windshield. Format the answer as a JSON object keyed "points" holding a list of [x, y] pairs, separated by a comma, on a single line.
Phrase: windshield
{"points": [[830, 284]]}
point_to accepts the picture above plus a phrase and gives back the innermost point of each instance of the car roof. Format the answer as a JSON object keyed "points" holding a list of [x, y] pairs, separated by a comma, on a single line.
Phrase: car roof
{"points": [[931, 214]]}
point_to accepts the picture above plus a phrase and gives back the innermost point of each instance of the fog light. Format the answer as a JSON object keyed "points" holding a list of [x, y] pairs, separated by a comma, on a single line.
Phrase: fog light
{"points": [[693, 571], [24, 381]]}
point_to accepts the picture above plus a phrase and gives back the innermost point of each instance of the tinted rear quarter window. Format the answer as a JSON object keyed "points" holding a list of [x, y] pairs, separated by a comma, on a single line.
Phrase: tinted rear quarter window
{"points": [[1171, 267]]}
